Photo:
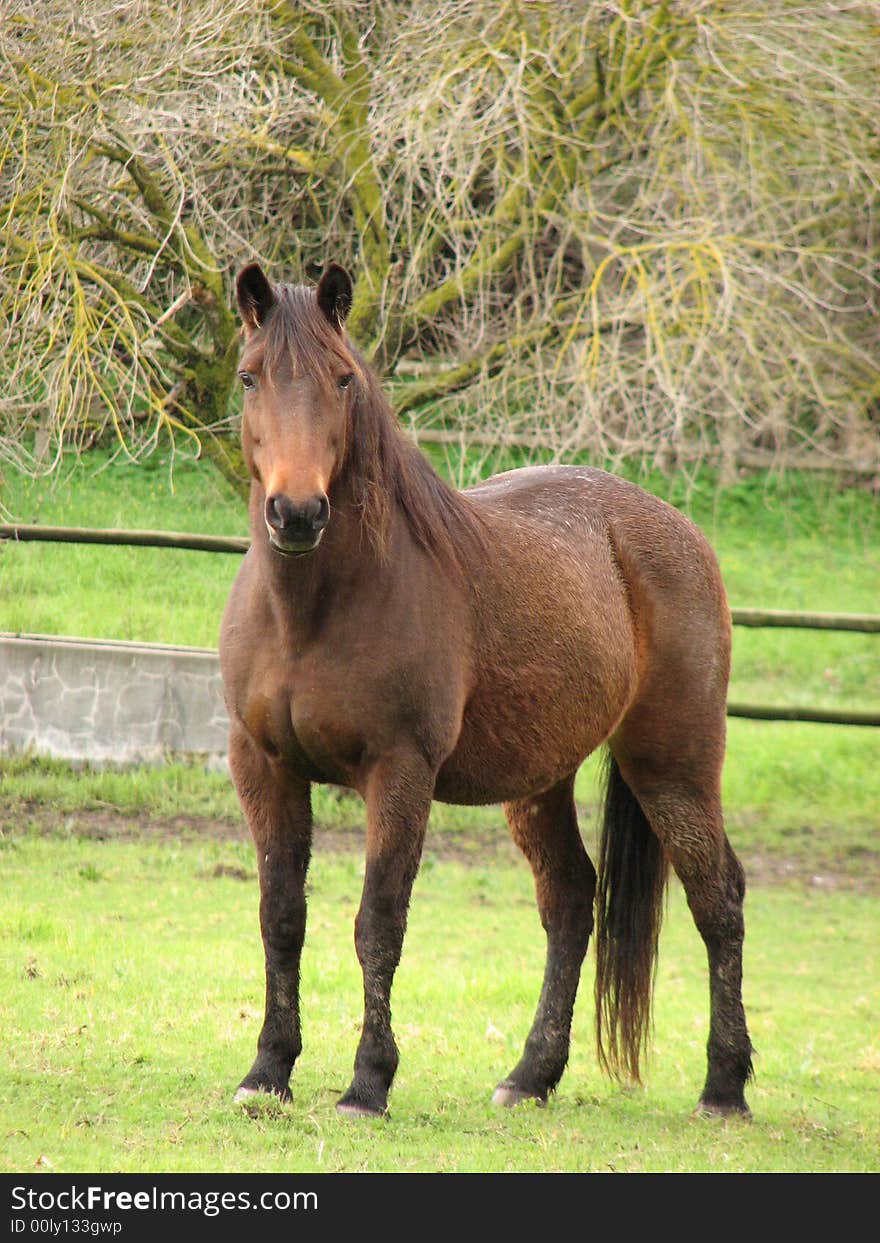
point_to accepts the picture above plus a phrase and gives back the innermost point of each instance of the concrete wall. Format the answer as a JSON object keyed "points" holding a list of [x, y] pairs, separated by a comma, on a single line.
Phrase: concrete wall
{"points": [[86, 699]]}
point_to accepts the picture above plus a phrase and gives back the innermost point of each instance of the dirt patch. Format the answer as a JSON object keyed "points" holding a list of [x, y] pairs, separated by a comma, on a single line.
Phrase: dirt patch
{"points": [[764, 870], [110, 824], [478, 847]]}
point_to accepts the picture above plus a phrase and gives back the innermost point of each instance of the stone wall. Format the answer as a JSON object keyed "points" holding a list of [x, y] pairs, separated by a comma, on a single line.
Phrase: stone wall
{"points": [[110, 701]]}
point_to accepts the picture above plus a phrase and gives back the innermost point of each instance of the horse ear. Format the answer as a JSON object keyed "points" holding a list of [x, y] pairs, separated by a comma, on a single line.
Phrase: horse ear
{"points": [[334, 295], [255, 296]]}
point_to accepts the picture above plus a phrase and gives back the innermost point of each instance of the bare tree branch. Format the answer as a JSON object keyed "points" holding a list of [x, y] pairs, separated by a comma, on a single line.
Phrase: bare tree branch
{"points": [[613, 226]]}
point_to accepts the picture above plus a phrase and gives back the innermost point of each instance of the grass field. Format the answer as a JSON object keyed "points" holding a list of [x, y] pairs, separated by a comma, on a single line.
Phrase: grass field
{"points": [[130, 962], [132, 995]]}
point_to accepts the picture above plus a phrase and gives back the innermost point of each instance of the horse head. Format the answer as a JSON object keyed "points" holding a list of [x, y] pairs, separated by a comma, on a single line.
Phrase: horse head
{"points": [[299, 375]]}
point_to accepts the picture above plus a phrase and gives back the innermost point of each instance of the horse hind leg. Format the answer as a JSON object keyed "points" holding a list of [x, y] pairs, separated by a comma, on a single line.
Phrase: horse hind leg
{"points": [[683, 807], [545, 829]]}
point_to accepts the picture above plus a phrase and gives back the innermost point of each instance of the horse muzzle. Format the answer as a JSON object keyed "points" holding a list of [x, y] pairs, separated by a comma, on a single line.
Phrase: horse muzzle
{"points": [[295, 527]]}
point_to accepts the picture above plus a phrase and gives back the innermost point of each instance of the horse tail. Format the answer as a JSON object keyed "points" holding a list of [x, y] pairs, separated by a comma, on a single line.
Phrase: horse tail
{"points": [[629, 910]]}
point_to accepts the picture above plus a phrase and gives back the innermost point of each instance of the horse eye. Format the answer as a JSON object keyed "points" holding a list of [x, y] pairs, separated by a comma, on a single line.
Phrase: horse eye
{"points": [[247, 379], [345, 380]]}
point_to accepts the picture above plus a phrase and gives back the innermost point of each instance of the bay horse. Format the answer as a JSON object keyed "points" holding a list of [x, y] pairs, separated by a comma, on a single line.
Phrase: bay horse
{"points": [[392, 635]]}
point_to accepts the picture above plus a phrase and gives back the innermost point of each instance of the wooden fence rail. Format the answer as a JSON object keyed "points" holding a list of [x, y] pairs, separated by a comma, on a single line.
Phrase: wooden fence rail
{"points": [[863, 622], [140, 539]]}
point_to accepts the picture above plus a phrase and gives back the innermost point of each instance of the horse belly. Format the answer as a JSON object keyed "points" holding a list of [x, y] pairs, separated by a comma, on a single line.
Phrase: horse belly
{"points": [[485, 768], [534, 721]]}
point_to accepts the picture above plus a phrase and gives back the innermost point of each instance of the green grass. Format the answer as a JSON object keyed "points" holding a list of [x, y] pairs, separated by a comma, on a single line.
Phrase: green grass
{"points": [[131, 996], [147, 594]]}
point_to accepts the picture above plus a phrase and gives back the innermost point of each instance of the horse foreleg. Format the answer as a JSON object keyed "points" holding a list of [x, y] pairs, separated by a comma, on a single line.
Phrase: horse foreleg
{"points": [[398, 800], [278, 810], [545, 829]]}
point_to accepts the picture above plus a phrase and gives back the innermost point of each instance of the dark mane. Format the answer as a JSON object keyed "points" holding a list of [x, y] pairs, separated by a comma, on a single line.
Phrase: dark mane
{"points": [[381, 466]]}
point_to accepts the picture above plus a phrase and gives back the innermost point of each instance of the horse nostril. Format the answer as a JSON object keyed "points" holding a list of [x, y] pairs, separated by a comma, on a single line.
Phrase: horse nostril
{"points": [[320, 515], [278, 511]]}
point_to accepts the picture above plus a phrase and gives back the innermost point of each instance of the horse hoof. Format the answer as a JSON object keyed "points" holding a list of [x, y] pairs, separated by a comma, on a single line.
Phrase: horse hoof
{"points": [[508, 1095], [714, 1109], [256, 1099], [350, 1109]]}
